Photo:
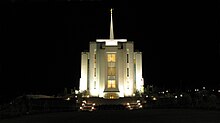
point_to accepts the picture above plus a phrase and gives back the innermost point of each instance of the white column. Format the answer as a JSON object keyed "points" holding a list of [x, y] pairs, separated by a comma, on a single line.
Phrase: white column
{"points": [[84, 74], [139, 79]]}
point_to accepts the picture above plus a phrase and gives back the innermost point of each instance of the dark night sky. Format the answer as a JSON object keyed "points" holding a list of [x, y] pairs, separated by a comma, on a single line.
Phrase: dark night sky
{"points": [[42, 41]]}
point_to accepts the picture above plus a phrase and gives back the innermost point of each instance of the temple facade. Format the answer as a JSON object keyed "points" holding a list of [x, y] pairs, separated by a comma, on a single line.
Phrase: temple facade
{"points": [[111, 69]]}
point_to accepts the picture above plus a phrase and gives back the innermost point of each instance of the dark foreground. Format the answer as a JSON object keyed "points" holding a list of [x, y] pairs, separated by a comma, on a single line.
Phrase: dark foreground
{"points": [[112, 116]]}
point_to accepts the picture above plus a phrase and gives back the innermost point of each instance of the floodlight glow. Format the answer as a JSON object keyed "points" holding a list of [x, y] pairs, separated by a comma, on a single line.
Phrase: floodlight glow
{"points": [[154, 98], [76, 92], [196, 89]]}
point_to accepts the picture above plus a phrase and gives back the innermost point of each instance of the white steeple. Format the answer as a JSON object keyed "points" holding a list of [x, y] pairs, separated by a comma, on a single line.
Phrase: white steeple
{"points": [[111, 41], [111, 27]]}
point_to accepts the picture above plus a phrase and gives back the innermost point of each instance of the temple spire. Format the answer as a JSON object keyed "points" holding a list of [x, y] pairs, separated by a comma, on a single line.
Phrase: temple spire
{"points": [[111, 26], [111, 41]]}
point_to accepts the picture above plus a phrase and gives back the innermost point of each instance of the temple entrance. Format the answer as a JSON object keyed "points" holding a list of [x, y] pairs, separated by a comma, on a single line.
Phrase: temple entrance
{"points": [[111, 95]]}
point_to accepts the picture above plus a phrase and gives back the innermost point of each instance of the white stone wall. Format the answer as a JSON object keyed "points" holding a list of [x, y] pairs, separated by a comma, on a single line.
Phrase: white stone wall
{"points": [[121, 70], [129, 80], [93, 70], [84, 72], [126, 85], [139, 77], [102, 69]]}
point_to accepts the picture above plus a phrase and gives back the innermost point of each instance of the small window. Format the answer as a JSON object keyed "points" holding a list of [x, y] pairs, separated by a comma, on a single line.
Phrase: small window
{"points": [[127, 58], [127, 72], [94, 72], [94, 58]]}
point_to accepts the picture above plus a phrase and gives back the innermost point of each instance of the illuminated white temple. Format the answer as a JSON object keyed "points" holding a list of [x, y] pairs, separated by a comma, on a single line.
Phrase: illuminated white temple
{"points": [[111, 69]]}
